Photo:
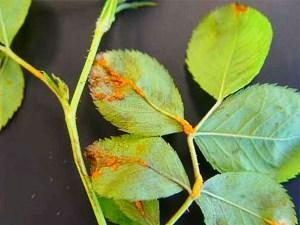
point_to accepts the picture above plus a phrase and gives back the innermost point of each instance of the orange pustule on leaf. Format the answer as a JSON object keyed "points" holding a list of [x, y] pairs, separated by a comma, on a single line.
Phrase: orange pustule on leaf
{"points": [[101, 159], [117, 84], [239, 8]]}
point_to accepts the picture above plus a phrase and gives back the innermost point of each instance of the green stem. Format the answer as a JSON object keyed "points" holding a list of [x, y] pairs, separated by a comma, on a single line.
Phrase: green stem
{"points": [[195, 194], [193, 154], [180, 211], [102, 25], [77, 154], [72, 130], [37, 73], [216, 105]]}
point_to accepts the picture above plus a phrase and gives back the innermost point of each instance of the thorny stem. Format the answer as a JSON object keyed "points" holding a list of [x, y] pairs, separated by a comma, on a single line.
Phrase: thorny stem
{"points": [[72, 129], [103, 24]]}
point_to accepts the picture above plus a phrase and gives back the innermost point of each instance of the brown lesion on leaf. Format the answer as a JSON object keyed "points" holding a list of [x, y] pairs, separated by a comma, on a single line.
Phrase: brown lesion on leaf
{"points": [[140, 207], [186, 126], [117, 85], [100, 159], [239, 8]]}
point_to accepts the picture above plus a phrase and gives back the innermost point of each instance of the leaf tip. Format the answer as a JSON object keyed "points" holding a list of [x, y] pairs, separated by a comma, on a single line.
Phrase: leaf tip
{"points": [[239, 8]]}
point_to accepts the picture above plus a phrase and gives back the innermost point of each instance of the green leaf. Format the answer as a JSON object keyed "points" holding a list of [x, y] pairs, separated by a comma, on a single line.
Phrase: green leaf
{"points": [[245, 198], [13, 15], [136, 168], [11, 89], [113, 213], [256, 129], [123, 212], [135, 93], [228, 49]]}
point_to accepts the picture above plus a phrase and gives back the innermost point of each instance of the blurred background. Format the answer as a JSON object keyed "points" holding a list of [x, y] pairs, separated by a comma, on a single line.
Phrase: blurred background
{"points": [[38, 180]]}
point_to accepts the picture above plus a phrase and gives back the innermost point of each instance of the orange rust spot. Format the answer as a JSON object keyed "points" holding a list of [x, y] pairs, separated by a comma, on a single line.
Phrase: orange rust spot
{"points": [[100, 159], [239, 8], [186, 126], [116, 82], [273, 222], [95, 174], [197, 188], [139, 206]]}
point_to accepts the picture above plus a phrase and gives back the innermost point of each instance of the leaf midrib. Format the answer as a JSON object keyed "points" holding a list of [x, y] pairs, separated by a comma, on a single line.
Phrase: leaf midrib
{"points": [[225, 74], [228, 202], [243, 136]]}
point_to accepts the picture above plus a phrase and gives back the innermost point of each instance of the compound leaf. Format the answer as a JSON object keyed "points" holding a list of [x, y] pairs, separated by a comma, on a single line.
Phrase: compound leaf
{"points": [[245, 198], [136, 168], [124, 212], [135, 93], [228, 49], [11, 89], [256, 129], [13, 15]]}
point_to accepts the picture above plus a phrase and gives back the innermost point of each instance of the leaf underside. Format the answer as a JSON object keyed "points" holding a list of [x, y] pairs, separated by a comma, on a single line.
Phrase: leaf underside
{"points": [[131, 89], [123, 212], [245, 198], [228, 49], [136, 168], [256, 129]]}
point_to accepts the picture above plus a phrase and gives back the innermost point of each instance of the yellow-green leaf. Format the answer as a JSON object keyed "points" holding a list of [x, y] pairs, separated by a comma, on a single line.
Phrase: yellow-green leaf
{"points": [[11, 89], [228, 49], [13, 15]]}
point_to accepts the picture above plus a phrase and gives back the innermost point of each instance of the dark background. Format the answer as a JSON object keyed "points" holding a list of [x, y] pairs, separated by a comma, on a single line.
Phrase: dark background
{"points": [[38, 181]]}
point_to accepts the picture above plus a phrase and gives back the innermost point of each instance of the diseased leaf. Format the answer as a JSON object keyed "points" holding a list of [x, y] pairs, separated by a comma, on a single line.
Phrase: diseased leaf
{"points": [[135, 93], [228, 49], [136, 168], [13, 15], [256, 129], [123, 212], [245, 198], [11, 89]]}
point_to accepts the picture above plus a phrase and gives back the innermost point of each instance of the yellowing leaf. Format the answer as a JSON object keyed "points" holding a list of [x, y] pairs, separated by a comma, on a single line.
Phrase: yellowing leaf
{"points": [[228, 49], [136, 168], [135, 93]]}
